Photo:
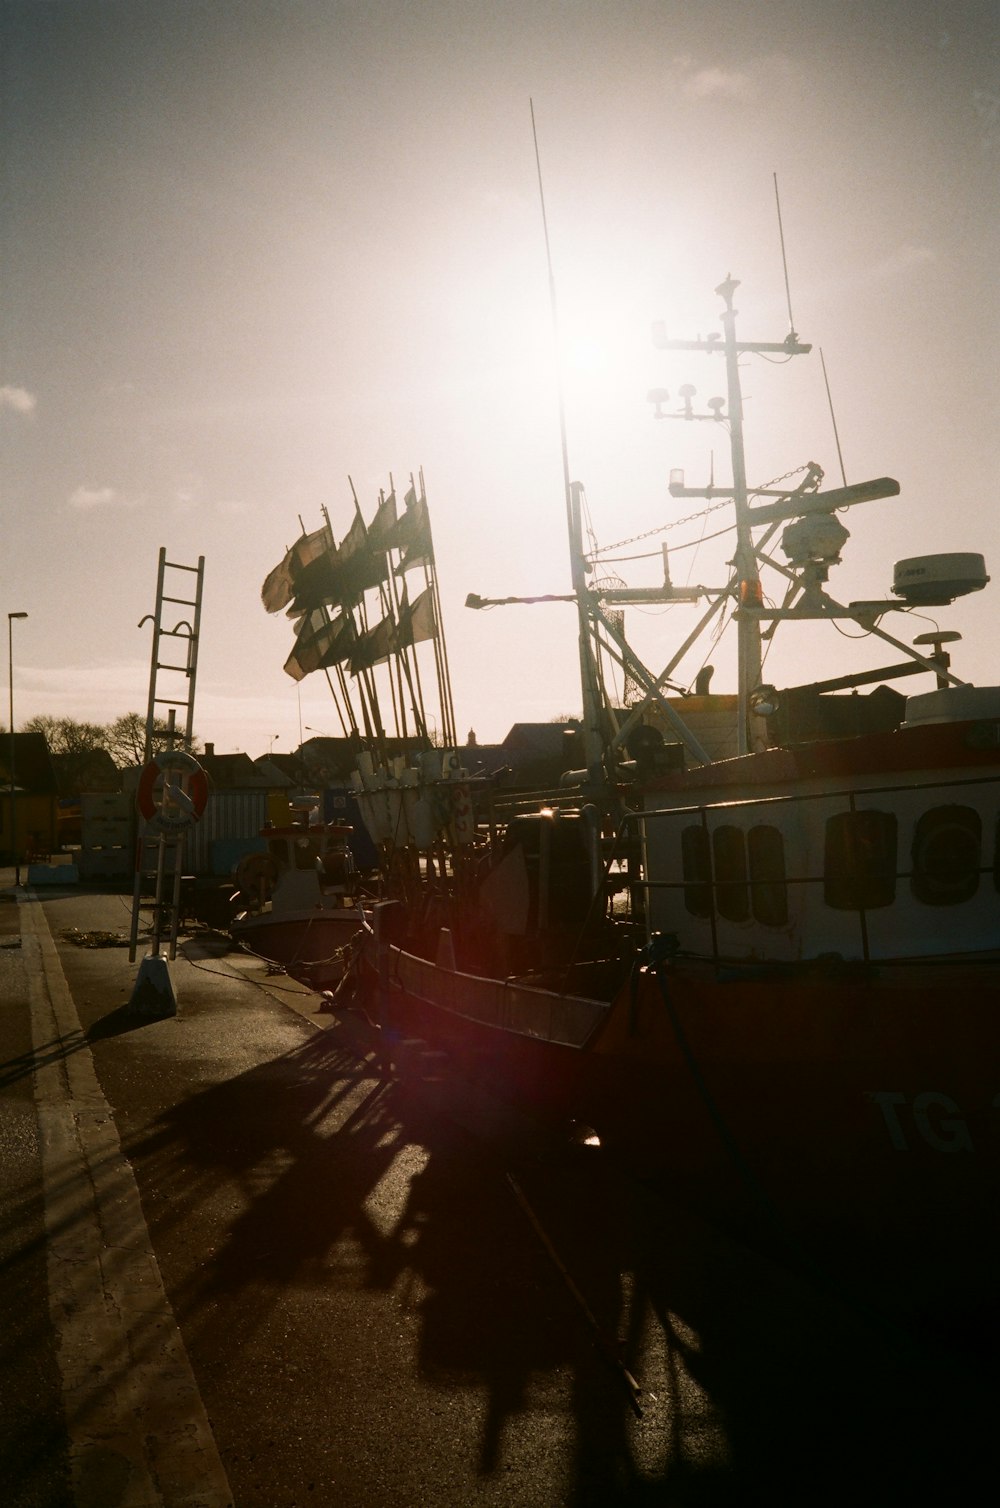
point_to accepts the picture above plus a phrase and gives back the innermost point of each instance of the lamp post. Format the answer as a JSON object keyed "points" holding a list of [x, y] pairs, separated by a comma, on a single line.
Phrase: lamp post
{"points": [[13, 807]]}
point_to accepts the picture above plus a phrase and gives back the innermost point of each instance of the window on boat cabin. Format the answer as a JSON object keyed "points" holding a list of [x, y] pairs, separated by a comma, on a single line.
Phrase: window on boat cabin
{"points": [[749, 873], [303, 852], [859, 867], [696, 865], [768, 890], [947, 855], [729, 855]]}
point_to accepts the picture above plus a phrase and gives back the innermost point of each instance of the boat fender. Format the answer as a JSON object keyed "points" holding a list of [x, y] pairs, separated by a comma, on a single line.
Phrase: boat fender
{"points": [[183, 791]]}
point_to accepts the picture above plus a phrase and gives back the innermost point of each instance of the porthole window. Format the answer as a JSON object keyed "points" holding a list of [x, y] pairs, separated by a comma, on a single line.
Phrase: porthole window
{"points": [[947, 855], [696, 864], [768, 890], [859, 867], [729, 856]]}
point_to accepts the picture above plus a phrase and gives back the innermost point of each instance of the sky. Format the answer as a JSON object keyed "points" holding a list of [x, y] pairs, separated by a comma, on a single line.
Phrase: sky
{"points": [[254, 251]]}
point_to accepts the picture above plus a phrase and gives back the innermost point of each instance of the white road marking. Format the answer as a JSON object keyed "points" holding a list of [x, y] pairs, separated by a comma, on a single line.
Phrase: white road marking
{"points": [[139, 1436]]}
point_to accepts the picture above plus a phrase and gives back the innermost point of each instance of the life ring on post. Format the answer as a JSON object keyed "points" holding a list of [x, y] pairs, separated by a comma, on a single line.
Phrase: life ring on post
{"points": [[173, 791]]}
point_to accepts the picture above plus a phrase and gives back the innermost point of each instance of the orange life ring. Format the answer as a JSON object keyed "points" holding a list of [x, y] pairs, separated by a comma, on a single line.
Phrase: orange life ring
{"points": [[179, 802]]}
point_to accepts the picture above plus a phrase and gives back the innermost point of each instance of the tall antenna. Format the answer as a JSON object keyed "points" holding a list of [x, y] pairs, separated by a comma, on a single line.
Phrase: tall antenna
{"points": [[593, 742], [555, 314], [784, 262], [833, 416]]}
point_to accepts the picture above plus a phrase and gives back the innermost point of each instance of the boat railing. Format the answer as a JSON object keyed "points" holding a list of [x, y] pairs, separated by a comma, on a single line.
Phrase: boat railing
{"points": [[519, 803], [728, 879]]}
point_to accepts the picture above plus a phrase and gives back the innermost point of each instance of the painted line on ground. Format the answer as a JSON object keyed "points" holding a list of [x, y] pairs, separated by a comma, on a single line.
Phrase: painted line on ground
{"points": [[138, 1433]]}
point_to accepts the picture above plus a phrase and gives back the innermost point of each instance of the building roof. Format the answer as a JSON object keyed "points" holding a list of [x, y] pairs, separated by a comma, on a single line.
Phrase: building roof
{"points": [[281, 771], [538, 753], [232, 772], [33, 769], [88, 770], [333, 759]]}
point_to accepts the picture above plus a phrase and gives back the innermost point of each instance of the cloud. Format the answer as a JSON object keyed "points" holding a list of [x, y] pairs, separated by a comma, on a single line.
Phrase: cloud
{"points": [[18, 400], [85, 498], [699, 81], [896, 263], [715, 83], [901, 259]]}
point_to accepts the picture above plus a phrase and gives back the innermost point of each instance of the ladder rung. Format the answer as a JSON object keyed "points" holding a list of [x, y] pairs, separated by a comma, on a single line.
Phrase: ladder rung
{"points": [[181, 601], [169, 701]]}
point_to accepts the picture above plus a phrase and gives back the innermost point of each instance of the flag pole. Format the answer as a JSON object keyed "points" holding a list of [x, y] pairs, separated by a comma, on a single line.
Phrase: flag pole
{"points": [[440, 643], [366, 680]]}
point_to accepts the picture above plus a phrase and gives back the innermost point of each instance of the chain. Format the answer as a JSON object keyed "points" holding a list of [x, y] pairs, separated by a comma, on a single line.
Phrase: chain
{"points": [[809, 466], [675, 524], [690, 518]]}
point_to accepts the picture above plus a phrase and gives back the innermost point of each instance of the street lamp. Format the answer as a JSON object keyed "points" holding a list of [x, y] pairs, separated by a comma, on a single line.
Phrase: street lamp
{"points": [[13, 808]]}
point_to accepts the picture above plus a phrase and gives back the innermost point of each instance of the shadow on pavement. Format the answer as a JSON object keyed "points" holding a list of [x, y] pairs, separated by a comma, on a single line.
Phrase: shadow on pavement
{"points": [[339, 1249]]}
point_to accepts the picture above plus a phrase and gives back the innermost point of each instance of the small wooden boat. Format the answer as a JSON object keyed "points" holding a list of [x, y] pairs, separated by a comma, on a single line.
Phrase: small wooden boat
{"points": [[300, 901]]}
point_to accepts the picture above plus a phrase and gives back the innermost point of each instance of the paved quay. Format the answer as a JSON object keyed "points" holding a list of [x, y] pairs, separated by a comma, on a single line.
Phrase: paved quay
{"points": [[243, 1267]]}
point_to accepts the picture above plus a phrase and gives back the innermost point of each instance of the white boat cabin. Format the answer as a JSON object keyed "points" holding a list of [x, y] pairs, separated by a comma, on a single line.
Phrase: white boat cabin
{"points": [[879, 847]]}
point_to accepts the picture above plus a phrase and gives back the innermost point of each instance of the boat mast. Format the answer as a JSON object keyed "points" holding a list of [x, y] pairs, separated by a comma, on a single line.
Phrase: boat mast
{"points": [[746, 576], [595, 733], [749, 653]]}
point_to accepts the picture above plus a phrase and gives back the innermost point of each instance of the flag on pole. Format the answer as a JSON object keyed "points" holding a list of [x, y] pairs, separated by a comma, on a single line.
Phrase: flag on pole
{"points": [[383, 523], [340, 575], [279, 585], [362, 556], [319, 641], [354, 539], [374, 647], [412, 537], [318, 583], [417, 620]]}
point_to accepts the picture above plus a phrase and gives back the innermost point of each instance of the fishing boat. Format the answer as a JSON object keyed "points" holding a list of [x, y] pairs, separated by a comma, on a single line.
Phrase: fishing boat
{"points": [[773, 974], [300, 903], [361, 617]]}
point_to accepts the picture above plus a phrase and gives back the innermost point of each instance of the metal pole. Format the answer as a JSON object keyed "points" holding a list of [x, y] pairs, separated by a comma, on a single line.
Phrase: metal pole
{"points": [[748, 626], [13, 807]]}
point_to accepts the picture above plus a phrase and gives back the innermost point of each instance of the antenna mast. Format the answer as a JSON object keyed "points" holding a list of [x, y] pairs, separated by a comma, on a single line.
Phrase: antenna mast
{"points": [[745, 584], [784, 262]]}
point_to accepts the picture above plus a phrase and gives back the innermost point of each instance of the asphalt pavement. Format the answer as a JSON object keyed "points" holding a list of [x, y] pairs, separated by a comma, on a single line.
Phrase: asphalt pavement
{"points": [[242, 1265]]}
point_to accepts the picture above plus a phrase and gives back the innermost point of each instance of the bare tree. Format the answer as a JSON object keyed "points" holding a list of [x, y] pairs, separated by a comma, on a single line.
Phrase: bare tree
{"points": [[66, 736], [126, 738]]}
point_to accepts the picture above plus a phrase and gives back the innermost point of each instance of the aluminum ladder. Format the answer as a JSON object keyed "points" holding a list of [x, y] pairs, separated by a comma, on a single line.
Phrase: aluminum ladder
{"points": [[171, 687]]}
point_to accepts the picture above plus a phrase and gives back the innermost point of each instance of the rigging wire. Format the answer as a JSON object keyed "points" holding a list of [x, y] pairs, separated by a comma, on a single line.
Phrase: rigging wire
{"points": [[687, 544], [688, 518]]}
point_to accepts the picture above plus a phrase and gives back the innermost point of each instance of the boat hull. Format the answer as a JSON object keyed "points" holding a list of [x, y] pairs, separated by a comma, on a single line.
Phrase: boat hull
{"points": [[825, 1103], [315, 946]]}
